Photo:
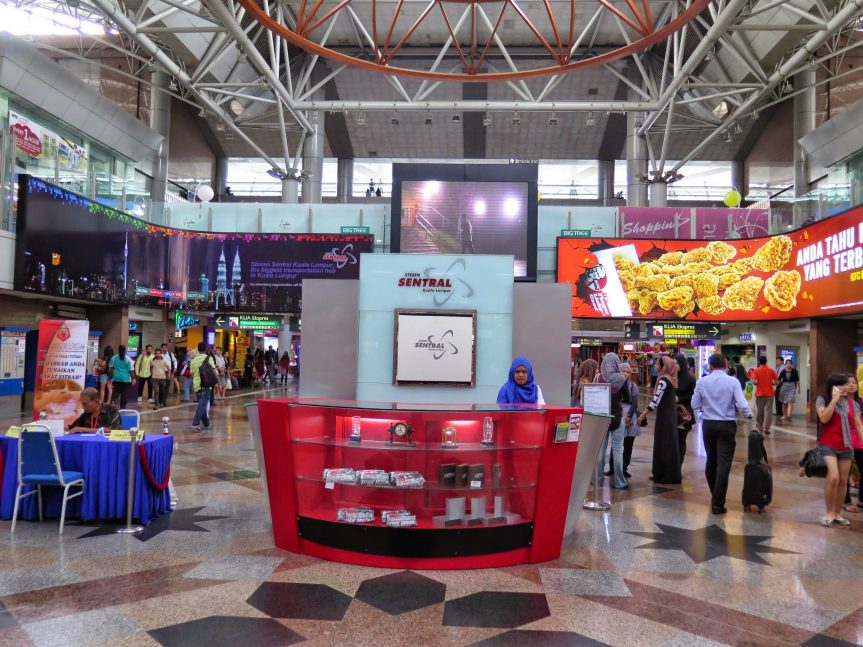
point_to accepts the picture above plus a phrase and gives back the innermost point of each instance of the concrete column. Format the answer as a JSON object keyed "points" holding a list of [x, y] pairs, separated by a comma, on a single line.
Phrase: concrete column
{"points": [[285, 340], [605, 181], [313, 160], [221, 179], [160, 121], [290, 190], [658, 193], [804, 123], [345, 180], [636, 159], [738, 177]]}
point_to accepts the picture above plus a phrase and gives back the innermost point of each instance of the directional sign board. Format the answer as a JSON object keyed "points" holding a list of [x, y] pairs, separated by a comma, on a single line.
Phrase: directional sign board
{"points": [[575, 233], [685, 331], [355, 230], [248, 322]]}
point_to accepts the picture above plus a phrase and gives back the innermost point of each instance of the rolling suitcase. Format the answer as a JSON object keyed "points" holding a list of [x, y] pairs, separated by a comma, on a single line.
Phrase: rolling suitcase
{"points": [[757, 477]]}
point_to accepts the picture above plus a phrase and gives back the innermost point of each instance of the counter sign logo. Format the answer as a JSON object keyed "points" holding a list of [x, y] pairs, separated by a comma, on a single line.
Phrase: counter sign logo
{"points": [[343, 257], [443, 345]]}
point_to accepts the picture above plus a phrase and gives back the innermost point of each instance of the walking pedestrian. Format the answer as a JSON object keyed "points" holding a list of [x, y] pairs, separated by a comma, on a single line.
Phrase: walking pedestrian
{"points": [[718, 397], [203, 392], [122, 372], [159, 372], [666, 442], [789, 389], [765, 384]]}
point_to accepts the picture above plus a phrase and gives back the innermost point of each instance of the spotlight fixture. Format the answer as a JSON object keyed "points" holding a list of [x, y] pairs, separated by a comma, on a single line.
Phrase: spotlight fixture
{"points": [[552, 120], [236, 107], [428, 119], [738, 129], [787, 88], [394, 119], [73, 4], [361, 119], [516, 120], [727, 137], [486, 120], [591, 119], [203, 113], [456, 118]]}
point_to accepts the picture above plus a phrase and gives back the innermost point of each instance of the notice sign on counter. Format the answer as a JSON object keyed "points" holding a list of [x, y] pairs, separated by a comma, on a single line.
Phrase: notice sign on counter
{"points": [[596, 399], [61, 366]]}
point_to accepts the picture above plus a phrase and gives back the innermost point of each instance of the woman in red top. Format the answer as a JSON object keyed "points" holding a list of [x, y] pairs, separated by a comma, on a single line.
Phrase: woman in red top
{"points": [[839, 415]]}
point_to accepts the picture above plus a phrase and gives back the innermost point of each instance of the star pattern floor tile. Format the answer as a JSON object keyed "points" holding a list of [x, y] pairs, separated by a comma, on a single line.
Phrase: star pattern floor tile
{"points": [[185, 520], [401, 592], [826, 641], [521, 638], [704, 544], [495, 609], [226, 631], [7, 620], [301, 601]]}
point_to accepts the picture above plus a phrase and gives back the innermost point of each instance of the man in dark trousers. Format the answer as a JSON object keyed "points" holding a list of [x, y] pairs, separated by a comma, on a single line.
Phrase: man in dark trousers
{"points": [[777, 405], [718, 397]]}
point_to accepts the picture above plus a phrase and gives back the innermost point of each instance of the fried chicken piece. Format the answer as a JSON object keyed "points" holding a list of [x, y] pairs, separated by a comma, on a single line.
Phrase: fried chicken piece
{"points": [[705, 285], [671, 258], [743, 265], [627, 280], [697, 268], [719, 270], [727, 280], [697, 255], [674, 298], [647, 302], [681, 311], [657, 282], [781, 289], [683, 280], [773, 254], [711, 305], [645, 269], [632, 296], [744, 294], [674, 270], [622, 263], [721, 252]]}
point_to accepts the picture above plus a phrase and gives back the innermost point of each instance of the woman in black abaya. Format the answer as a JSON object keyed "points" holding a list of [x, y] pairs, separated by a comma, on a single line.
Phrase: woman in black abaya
{"points": [[666, 446], [685, 390]]}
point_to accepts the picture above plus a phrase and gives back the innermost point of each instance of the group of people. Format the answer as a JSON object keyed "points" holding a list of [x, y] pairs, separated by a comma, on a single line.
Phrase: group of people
{"points": [[719, 399]]}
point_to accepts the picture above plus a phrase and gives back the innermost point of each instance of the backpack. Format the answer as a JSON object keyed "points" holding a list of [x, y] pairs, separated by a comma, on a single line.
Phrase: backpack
{"points": [[208, 374]]}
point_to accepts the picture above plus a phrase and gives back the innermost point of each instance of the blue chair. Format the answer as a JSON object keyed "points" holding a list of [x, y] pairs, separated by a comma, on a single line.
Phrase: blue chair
{"points": [[130, 418], [38, 465]]}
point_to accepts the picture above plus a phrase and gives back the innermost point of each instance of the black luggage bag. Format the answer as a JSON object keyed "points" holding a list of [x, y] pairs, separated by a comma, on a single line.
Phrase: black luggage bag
{"points": [[757, 477]]}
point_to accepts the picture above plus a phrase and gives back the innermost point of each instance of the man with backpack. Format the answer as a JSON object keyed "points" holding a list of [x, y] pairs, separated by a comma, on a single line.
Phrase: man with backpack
{"points": [[204, 379]]}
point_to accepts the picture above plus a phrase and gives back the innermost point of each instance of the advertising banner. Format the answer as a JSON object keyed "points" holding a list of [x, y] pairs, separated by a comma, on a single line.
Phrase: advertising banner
{"points": [[61, 366], [40, 143], [142, 264], [654, 222], [698, 224], [817, 270], [720, 224]]}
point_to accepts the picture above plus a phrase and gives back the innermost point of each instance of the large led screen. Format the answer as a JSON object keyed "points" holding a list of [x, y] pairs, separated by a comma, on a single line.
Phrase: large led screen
{"points": [[69, 246], [469, 209], [813, 271]]}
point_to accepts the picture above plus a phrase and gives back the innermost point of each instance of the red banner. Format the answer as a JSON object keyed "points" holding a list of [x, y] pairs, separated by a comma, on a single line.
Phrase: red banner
{"points": [[61, 366], [817, 270]]}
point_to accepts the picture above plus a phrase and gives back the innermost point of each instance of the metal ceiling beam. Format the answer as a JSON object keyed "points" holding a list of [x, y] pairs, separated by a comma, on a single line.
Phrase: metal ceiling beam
{"points": [[228, 20], [850, 11], [112, 12], [462, 105]]}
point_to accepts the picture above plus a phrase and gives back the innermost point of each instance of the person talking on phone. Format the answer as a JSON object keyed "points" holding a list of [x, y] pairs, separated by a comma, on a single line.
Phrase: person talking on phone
{"points": [[839, 417]]}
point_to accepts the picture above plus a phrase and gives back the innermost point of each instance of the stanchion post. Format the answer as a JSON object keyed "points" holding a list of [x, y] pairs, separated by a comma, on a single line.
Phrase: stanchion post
{"points": [[129, 529], [596, 503]]}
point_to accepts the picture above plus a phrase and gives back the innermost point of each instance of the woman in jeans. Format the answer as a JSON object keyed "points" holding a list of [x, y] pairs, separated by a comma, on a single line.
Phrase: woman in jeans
{"points": [[857, 444], [610, 373], [839, 418], [123, 373]]}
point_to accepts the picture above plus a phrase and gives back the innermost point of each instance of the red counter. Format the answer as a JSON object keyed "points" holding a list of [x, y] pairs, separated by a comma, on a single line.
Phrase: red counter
{"points": [[515, 499]]}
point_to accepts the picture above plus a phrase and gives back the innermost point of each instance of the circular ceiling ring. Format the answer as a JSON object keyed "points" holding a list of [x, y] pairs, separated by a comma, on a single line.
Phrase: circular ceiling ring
{"points": [[254, 10]]}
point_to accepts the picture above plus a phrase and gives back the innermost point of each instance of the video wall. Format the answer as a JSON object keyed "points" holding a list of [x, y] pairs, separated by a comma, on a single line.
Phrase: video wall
{"points": [[70, 246], [467, 209], [816, 270]]}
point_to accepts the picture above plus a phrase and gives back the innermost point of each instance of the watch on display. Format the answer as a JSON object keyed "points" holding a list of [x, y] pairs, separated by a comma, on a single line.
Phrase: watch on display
{"points": [[400, 432]]}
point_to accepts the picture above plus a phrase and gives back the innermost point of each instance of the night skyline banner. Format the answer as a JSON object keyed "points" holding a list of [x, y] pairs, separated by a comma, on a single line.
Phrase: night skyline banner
{"points": [[813, 271], [73, 247]]}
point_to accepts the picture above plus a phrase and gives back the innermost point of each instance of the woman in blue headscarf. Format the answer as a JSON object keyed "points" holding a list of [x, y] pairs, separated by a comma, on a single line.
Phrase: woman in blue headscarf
{"points": [[520, 387]]}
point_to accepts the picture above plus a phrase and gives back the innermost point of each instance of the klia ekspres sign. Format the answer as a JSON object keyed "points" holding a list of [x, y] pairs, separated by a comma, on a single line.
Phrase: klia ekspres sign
{"points": [[817, 270]]}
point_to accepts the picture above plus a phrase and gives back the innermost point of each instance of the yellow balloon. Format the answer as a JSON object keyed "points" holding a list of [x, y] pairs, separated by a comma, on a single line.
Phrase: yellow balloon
{"points": [[733, 198]]}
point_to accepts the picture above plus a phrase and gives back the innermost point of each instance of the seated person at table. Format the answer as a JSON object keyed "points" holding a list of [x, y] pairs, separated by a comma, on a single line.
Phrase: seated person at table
{"points": [[520, 387], [96, 414]]}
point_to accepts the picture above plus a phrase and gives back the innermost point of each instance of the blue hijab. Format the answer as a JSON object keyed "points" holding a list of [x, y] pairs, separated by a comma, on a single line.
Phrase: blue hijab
{"points": [[511, 392]]}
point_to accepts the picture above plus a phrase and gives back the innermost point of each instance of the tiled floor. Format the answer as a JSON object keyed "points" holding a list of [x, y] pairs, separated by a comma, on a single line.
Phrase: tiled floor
{"points": [[657, 570]]}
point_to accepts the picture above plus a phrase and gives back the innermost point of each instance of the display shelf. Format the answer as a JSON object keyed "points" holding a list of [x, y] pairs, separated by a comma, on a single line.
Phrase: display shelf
{"points": [[380, 445], [428, 487], [329, 516]]}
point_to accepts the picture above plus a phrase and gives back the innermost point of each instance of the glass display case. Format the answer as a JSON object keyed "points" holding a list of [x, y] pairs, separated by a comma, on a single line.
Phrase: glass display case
{"points": [[371, 482]]}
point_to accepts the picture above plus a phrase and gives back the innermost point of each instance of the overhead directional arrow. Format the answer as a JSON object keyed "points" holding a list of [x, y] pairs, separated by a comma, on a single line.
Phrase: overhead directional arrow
{"points": [[220, 321], [714, 331]]}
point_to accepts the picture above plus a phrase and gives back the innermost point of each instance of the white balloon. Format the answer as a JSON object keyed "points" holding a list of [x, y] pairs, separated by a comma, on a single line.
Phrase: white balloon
{"points": [[205, 193]]}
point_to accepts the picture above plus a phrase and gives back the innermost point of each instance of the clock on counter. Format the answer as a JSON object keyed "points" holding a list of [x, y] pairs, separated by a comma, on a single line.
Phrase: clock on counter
{"points": [[401, 433]]}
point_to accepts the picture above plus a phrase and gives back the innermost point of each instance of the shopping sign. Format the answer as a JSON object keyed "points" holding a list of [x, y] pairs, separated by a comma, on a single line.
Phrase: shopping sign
{"points": [[813, 271]]}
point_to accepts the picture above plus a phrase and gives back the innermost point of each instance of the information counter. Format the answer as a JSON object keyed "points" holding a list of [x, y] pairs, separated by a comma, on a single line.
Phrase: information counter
{"points": [[418, 486]]}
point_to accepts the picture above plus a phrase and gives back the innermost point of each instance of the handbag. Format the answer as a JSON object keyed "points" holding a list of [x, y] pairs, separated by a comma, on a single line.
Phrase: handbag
{"points": [[683, 415], [812, 464]]}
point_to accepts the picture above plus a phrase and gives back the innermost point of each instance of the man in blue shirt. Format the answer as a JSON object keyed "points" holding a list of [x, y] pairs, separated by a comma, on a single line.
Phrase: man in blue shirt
{"points": [[719, 397]]}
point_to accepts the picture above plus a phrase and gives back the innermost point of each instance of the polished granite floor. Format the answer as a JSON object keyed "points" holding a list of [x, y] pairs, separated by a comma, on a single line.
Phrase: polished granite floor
{"points": [[658, 569]]}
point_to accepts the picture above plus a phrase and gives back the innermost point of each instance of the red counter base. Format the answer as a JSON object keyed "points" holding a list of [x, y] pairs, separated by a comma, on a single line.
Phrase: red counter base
{"points": [[522, 477]]}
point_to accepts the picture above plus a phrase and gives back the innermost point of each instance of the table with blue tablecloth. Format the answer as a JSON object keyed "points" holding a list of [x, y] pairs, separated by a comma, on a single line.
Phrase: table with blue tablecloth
{"points": [[105, 465]]}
